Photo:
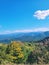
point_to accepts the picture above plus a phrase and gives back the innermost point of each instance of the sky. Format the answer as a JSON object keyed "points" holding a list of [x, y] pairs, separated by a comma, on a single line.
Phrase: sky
{"points": [[24, 16]]}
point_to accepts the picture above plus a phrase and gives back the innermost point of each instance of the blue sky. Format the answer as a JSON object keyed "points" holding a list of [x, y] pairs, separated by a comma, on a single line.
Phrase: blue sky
{"points": [[24, 15]]}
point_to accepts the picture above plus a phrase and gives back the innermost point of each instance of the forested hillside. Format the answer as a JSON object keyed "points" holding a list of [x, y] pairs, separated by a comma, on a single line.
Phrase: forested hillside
{"points": [[18, 52]]}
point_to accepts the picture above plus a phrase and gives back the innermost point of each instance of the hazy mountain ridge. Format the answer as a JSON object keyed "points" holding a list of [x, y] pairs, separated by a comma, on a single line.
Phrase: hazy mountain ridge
{"points": [[30, 36]]}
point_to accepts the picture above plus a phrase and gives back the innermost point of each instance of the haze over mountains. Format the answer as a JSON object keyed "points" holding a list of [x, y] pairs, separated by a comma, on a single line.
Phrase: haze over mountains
{"points": [[29, 36]]}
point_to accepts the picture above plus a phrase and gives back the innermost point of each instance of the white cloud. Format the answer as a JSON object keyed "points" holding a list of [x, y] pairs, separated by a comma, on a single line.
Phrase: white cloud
{"points": [[41, 14], [41, 29], [25, 31], [15, 31]]}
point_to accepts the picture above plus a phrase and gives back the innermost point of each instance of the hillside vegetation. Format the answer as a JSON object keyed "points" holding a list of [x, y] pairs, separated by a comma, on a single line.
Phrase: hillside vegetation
{"points": [[18, 52]]}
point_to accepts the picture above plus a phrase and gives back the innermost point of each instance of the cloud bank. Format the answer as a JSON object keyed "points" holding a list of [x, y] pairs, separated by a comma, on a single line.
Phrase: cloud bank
{"points": [[25, 31], [41, 14]]}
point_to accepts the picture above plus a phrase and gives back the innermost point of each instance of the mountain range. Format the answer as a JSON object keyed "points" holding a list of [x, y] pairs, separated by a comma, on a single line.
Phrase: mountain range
{"points": [[26, 36]]}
